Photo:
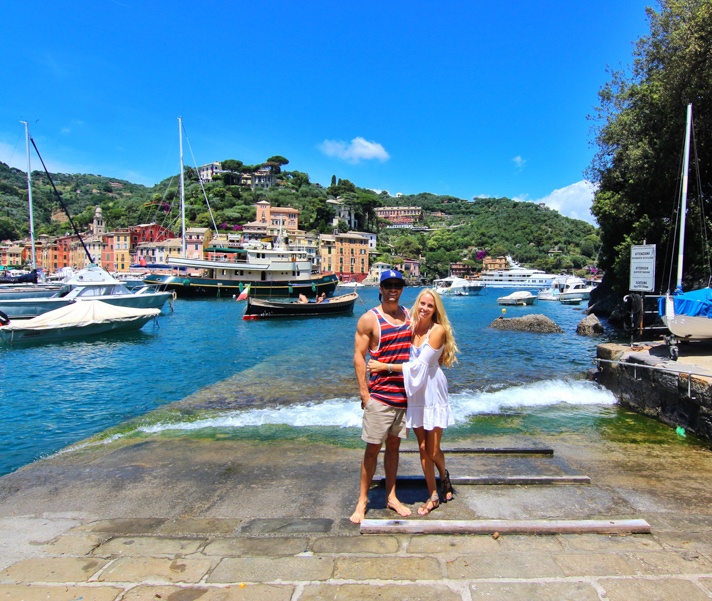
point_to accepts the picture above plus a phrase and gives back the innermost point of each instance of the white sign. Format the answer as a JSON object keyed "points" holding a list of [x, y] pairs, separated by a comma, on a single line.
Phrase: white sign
{"points": [[642, 268]]}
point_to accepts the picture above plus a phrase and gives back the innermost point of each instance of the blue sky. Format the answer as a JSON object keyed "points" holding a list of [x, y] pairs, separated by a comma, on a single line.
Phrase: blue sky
{"points": [[469, 98]]}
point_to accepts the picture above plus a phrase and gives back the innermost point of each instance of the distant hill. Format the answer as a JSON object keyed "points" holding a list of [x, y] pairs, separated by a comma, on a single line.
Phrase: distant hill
{"points": [[459, 229]]}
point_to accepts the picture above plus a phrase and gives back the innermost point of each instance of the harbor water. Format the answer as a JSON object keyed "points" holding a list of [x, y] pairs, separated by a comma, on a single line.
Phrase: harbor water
{"points": [[204, 372]]}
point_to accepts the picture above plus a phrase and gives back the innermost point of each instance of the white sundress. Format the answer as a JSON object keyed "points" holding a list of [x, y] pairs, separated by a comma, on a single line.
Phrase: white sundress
{"points": [[426, 387]]}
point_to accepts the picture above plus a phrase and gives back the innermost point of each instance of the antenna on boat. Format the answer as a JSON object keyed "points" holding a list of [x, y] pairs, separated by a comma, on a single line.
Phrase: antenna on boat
{"points": [[683, 198], [61, 203], [29, 194], [182, 187]]}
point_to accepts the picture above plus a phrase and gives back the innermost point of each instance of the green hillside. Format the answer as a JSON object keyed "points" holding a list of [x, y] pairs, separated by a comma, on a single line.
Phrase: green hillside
{"points": [[454, 229]]}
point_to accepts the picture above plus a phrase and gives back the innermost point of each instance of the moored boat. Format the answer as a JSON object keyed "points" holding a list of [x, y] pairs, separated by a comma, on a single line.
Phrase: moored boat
{"points": [[456, 286], [688, 315], [576, 288], [92, 283], [338, 305], [77, 320], [521, 297]]}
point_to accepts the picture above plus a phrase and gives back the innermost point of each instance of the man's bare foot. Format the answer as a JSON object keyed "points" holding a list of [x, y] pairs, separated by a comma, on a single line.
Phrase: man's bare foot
{"points": [[359, 513], [398, 507]]}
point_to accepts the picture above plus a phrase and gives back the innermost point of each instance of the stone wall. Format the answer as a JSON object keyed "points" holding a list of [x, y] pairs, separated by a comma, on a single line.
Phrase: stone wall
{"points": [[671, 393]]}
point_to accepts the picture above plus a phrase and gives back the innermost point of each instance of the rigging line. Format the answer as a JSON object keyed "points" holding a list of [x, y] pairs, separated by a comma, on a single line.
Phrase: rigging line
{"points": [[12, 154], [61, 202], [200, 181], [703, 220]]}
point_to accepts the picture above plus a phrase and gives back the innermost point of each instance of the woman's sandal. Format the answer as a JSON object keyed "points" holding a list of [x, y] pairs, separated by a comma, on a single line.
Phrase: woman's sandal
{"points": [[430, 505], [446, 487]]}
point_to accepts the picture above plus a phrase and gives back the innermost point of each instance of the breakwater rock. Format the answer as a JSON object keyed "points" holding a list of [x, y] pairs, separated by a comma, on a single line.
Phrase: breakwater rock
{"points": [[589, 326], [539, 324]]}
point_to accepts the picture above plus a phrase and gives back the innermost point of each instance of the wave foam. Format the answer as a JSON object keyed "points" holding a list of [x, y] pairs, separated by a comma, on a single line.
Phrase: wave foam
{"points": [[346, 413]]}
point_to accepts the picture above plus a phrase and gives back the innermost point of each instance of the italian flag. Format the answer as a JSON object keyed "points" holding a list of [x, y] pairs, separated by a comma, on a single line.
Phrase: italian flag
{"points": [[244, 293]]}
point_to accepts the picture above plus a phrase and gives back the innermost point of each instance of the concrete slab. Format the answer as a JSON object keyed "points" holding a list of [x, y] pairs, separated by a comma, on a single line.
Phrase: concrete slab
{"points": [[272, 569], [535, 591], [388, 568], [294, 540], [247, 592], [24, 592], [382, 592], [669, 589]]}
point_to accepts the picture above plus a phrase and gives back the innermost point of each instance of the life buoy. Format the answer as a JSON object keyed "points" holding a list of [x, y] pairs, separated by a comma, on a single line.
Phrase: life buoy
{"points": [[4, 319]]}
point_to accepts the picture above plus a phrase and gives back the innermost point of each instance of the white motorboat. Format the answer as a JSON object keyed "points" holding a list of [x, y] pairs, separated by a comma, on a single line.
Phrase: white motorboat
{"points": [[91, 283], [575, 288], [456, 286], [521, 297], [353, 284], [77, 320], [517, 277]]}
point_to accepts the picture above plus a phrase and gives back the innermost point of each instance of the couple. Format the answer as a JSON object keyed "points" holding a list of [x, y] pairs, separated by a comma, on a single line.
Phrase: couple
{"points": [[401, 387]]}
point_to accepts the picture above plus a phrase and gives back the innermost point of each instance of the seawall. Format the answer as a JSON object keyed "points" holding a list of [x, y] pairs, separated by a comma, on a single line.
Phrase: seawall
{"points": [[646, 380]]}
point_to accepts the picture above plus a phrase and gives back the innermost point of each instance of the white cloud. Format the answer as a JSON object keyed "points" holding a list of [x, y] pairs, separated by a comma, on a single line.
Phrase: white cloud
{"points": [[572, 201], [358, 150], [519, 162]]}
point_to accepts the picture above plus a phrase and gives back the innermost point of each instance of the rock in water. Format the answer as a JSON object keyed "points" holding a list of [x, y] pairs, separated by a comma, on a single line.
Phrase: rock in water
{"points": [[539, 324], [589, 326]]}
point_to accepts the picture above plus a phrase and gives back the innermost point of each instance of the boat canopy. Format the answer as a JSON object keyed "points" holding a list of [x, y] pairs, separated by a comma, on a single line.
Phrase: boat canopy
{"points": [[695, 303], [220, 249]]}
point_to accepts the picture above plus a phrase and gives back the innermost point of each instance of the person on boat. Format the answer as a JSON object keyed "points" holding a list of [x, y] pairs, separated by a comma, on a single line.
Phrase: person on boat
{"points": [[302, 299], [384, 332], [433, 345], [321, 298]]}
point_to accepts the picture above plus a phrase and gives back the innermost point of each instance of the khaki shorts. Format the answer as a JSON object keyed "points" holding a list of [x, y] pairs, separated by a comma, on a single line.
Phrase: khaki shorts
{"points": [[381, 421]]}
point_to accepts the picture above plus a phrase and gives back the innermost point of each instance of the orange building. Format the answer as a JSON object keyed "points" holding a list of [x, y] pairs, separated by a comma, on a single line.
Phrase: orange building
{"points": [[345, 254]]}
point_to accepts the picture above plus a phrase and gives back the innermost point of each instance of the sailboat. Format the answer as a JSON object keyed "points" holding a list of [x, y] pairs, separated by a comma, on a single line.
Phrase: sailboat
{"points": [[26, 285], [268, 269], [688, 315]]}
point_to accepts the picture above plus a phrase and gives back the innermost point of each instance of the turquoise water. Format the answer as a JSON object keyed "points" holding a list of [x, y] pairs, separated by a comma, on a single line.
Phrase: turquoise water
{"points": [[283, 378]]}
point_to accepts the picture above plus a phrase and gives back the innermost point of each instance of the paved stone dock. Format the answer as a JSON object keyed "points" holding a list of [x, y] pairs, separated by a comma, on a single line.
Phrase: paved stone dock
{"points": [[186, 520]]}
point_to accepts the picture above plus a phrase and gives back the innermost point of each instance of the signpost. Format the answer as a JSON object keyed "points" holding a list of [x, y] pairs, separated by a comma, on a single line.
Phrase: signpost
{"points": [[642, 268]]}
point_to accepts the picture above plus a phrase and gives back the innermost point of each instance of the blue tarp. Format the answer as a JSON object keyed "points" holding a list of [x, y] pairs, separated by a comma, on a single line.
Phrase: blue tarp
{"points": [[695, 303]]}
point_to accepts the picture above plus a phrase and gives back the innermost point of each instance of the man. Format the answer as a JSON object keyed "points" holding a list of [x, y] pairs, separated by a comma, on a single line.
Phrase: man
{"points": [[384, 332]]}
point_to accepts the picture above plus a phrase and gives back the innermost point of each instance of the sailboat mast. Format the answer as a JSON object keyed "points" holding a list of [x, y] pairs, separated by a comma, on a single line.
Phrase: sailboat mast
{"points": [[182, 187], [683, 198], [29, 194]]}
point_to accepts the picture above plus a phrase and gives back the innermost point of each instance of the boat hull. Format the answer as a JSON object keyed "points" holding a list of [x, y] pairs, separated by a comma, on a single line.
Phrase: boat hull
{"points": [[81, 320], [685, 327], [191, 287], [338, 305], [29, 308], [517, 299]]}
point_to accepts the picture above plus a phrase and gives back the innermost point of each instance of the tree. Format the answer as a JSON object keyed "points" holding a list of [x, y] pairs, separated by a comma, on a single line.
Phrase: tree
{"points": [[641, 120], [277, 162], [8, 231], [232, 165]]}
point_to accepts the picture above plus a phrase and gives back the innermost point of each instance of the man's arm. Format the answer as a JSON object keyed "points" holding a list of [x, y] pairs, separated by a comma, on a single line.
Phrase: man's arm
{"points": [[362, 344]]}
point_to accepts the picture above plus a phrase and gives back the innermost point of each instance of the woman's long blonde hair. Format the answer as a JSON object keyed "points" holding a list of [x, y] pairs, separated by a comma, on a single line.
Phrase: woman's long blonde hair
{"points": [[439, 317]]}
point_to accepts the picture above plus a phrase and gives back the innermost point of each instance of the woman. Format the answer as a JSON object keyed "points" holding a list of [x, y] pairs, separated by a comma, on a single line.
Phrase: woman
{"points": [[432, 345]]}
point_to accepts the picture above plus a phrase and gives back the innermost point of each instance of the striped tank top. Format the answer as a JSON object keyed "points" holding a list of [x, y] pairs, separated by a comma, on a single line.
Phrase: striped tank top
{"points": [[393, 347]]}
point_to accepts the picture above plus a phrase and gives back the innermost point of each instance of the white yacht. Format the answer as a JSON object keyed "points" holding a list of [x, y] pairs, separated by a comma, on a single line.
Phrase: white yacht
{"points": [[455, 286], [516, 276], [575, 288], [89, 284]]}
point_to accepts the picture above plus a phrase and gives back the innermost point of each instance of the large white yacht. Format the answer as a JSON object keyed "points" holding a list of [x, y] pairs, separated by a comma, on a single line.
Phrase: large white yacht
{"points": [[516, 276]]}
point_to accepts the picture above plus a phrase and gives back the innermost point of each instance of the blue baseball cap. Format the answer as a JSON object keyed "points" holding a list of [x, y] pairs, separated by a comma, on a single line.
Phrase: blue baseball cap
{"points": [[392, 274]]}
